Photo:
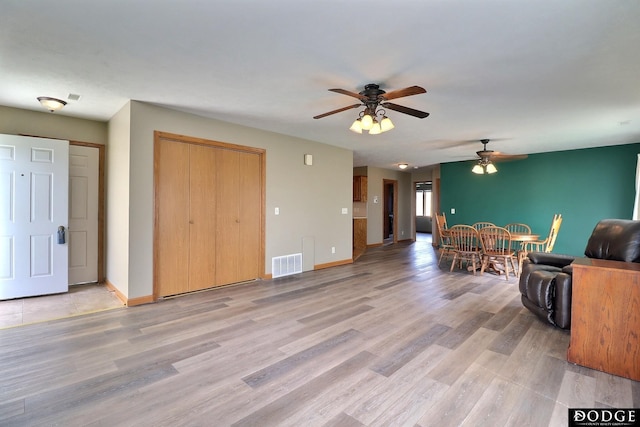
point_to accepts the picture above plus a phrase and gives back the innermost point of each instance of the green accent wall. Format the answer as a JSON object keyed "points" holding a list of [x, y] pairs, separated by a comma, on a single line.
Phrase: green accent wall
{"points": [[583, 185]]}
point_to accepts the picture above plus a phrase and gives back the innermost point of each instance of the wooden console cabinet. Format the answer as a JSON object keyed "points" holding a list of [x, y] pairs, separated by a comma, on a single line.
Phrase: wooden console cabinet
{"points": [[605, 317], [359, 237]]}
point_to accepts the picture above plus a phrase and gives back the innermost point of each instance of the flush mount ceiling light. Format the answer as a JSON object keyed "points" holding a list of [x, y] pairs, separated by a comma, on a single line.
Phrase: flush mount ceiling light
{"points": [[51, 104], [372, 97], [403, 165]]}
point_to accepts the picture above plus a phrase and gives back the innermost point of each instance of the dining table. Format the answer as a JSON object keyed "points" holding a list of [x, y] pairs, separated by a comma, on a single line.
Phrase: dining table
{"points": [[524, 237]]}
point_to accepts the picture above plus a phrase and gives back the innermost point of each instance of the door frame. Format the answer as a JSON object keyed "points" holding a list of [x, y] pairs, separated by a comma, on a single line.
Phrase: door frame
{"points": [[394, 184], [157, 136]]}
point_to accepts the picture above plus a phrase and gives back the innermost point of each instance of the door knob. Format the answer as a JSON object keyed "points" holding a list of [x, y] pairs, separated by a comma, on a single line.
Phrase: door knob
{"points": [[61, 235]]}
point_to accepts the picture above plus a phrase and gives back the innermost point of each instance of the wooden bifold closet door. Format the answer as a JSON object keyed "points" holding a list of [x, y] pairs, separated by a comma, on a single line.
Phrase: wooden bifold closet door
{"points": [[208, 216]]}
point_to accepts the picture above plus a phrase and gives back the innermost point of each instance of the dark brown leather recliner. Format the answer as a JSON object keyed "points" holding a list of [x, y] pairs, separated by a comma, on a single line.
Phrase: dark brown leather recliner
{"points": [[545, 282]]}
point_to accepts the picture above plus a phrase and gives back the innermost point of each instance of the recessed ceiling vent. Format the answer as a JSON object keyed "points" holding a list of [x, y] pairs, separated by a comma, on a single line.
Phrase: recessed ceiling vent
{"points": [[286, 265]]}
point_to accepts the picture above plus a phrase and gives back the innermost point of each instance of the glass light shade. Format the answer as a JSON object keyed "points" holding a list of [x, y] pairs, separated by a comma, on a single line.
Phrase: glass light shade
{"points": [[356, 126], [51, 104], [386, 124], [478, 169], [491, 168], [403, 165], [367, 122], [375, 128]]}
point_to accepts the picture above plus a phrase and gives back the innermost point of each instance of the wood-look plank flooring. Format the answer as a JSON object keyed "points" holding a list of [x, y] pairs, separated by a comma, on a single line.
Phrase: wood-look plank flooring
{"points": [[392, 340]]}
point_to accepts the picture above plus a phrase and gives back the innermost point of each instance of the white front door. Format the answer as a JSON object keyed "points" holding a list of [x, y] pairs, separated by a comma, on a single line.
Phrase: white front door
{"points": [[83, 214], [34, 185]]}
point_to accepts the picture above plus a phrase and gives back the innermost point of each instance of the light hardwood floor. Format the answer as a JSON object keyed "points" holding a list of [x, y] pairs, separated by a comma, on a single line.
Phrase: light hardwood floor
{"points": [[81, 299], [392, 340]]}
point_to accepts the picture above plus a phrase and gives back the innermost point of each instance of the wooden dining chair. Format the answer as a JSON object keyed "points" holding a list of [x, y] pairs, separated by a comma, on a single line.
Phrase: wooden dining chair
{"points": [[466, 246], [445, 247], [481, 224], [545, 245], [497, 250], [518, 228]]}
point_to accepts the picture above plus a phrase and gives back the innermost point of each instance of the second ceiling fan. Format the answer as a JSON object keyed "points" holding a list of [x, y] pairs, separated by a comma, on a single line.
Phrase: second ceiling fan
{"points": [[372, 97], [487, 157]]}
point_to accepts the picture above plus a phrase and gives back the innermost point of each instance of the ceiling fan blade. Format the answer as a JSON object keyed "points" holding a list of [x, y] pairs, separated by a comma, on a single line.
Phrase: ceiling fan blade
{"points": [[500, 157], [405, 110], [408, 91], [349, 93], [339, 110]]}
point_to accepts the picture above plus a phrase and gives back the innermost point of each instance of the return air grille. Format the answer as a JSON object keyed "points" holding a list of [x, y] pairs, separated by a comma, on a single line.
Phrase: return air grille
{"points": [[286, 265]]}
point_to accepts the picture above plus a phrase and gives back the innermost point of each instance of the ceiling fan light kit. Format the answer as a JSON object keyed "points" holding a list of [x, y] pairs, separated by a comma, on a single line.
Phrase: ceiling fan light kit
{"points": [[372, 97], [367, 122], [375, 128], [356, 126], [386, 124], [480, 168]]}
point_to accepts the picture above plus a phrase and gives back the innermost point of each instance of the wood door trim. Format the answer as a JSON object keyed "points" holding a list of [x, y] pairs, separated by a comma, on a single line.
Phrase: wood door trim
{"points": [[160, 135], [210, 142]]}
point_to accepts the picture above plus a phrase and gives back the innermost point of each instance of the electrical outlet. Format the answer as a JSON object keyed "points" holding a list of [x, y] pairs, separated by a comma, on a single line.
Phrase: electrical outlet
{"points": [[333, 249], [453, 211]]}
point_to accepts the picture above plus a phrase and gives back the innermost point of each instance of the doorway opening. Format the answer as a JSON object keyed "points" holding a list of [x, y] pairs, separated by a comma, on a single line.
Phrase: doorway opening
{"points": [[390, 211], [423, 195]]}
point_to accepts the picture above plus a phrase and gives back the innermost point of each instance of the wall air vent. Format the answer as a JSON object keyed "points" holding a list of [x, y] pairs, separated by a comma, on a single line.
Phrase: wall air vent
{"points": [[286, 265]]}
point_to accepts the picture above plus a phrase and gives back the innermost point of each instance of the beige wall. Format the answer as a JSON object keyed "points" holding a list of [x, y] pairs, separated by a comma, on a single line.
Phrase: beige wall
{"points": [[310, 198], [118, 200], [406, 226], [15, 121]]}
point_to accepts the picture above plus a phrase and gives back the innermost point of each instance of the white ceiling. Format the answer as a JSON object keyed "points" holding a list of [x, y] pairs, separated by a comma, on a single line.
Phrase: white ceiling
{"points": [[533, 76]]}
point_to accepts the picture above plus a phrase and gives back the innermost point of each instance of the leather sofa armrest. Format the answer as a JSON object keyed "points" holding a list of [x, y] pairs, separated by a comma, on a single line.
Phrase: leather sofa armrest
{"points": [[562, 309], [528, 268], [556, 260]]}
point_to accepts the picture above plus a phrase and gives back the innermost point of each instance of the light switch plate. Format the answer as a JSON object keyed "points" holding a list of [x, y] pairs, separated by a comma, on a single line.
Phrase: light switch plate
{"points": [[345, 211]]}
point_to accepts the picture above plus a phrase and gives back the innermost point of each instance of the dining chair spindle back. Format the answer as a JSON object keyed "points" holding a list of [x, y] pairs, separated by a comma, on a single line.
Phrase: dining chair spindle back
{"points": [[481, 224], [446, 247], [545, 245], [466, 243], [496, 249]]}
